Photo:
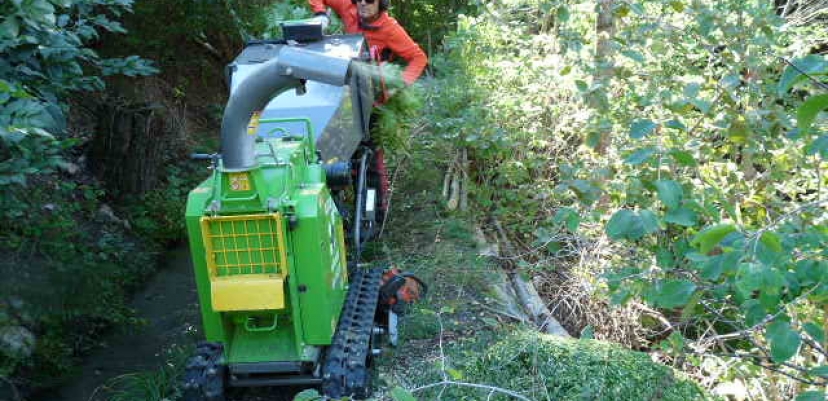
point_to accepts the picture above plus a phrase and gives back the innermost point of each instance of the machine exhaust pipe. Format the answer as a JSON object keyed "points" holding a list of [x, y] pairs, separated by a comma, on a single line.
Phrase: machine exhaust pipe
{"points": [[284, 72]]}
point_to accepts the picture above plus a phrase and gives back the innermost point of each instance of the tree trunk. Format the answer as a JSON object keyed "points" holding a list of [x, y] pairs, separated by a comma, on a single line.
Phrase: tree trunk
{"points": [[604, 32], [131, 147]]}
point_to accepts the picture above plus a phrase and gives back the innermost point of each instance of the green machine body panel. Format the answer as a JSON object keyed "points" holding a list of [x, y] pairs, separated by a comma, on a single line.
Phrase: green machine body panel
{"points": [[238, 249]]}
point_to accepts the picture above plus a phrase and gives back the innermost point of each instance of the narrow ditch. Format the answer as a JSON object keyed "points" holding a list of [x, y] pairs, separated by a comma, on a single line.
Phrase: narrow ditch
{"points": [[168, 308]]}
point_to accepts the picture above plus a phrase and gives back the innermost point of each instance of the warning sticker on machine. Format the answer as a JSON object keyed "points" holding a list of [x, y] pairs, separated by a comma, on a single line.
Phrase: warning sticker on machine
{"points": [[253, 126], [239, 181]]}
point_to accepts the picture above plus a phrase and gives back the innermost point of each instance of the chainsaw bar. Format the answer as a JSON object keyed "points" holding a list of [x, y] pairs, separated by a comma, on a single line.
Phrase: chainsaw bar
{"points": [[345, 372]]}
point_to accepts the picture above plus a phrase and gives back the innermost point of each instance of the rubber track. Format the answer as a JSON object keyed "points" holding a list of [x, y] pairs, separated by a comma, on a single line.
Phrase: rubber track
{"points": [[346, 371]]}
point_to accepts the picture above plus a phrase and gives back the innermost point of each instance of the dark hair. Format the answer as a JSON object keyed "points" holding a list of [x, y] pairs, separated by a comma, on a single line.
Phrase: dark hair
{"points": [[383, 5]]}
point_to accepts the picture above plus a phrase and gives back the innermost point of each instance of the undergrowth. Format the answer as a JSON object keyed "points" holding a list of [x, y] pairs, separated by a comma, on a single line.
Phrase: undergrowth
{"points": [[461, 336]]}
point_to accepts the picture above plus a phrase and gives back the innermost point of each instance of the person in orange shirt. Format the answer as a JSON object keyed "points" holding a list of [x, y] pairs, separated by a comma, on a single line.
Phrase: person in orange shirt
{"points": [[386, 38]]}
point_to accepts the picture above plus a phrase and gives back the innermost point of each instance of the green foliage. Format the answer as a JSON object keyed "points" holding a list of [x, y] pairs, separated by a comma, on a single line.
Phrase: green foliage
{"points": [[708, 160], [308, 395], [46, 57], [812, 64], [158, 385], [428, 22], [395, 119], [401, 394], [80, 268], [541, 366], [157, 215]]}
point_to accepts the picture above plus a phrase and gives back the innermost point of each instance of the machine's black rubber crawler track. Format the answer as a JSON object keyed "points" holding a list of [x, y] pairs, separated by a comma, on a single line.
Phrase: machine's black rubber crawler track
{"points": [[204, 374], [345, 371]]}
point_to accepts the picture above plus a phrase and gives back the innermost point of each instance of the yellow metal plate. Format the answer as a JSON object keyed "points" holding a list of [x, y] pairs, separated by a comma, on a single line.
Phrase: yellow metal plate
{"points": [[248, 292]]}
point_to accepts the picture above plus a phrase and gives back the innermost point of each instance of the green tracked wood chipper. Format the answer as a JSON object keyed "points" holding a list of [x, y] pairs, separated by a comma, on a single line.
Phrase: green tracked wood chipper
{"points": [[282, 301]]}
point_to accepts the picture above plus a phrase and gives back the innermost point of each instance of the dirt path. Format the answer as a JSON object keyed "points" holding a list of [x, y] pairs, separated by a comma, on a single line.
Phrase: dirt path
{"points": [[167, 305]]}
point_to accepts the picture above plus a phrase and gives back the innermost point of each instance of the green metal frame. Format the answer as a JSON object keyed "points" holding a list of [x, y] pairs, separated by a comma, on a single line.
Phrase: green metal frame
{"points": [[289, 180]]}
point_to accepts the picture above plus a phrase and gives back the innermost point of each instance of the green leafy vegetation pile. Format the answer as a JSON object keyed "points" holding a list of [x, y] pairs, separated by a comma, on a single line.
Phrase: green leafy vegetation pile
{"points": [[579, 369], [661, 175]]}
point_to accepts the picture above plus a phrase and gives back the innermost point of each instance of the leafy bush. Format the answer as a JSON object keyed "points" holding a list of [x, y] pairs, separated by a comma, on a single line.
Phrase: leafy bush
{"points": [[46, 56], [702, 165]]}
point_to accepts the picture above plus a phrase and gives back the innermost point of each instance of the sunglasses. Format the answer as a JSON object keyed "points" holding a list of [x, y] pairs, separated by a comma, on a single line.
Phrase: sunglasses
{"points": [[363, 1]]}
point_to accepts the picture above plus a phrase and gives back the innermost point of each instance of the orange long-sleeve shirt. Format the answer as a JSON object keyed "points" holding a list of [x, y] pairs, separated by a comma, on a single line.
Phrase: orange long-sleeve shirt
{"points": [[383, 34]]}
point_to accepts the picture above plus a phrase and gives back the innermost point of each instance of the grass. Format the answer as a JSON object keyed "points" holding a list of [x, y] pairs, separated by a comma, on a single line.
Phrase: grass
{"points": [[152, 385]]}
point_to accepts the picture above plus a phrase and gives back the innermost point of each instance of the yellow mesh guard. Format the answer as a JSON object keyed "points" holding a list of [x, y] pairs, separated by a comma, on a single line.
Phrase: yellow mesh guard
{"points": [[246, 261]]}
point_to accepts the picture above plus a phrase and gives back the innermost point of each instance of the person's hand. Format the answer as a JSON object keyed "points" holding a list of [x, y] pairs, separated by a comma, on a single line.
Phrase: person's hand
{"points": [[323, 20]]}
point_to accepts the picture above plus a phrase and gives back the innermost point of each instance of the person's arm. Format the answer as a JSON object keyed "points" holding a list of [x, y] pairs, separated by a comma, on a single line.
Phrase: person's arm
{"points": [[403, 46], [320, 7]]}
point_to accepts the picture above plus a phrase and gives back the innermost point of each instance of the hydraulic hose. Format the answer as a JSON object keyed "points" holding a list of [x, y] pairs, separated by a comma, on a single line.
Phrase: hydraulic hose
{"points": [[286, 71]]}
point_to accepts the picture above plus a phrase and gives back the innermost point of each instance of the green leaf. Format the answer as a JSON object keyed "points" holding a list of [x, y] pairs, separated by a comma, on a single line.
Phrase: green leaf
{"points": [[784, 341], [771, 241], [675, 124], [753, 311], [568, 216], [811, 396], [821, 371], [633, 55], [640, 156], [677, 5], [563, 14], [806, 113], [669, 192], [10, 28], [649, 221], [682, 217], [455, 374], [811, 65], [818, 145], [739, 130], [626, 224], [308, 395], [641, 128], [620, 223], [673, 293], [815, 331], [683, 158], [717, 265], [588, 333], [400, 394], [708, 238]]}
